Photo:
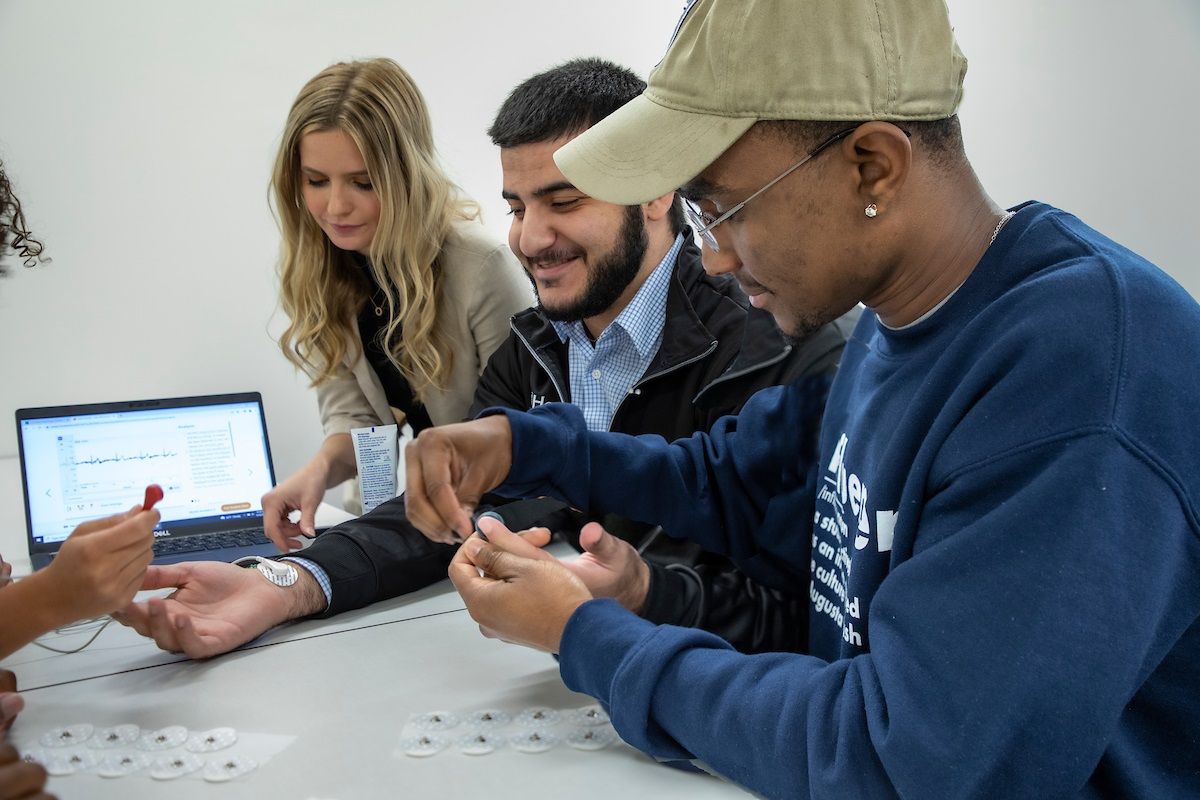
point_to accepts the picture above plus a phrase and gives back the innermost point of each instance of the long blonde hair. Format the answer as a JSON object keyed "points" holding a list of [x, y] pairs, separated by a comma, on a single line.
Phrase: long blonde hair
{"points": [[377, 104]]}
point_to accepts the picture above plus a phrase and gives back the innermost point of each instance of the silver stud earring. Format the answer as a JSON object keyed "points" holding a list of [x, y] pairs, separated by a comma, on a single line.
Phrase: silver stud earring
{"points": [[871, 211]]}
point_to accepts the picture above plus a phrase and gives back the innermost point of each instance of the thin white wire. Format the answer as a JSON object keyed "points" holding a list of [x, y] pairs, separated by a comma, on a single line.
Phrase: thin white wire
{"points": [[76, 627]]}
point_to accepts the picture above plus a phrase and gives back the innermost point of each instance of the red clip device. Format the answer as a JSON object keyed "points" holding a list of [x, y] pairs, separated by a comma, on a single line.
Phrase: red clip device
{"points": [[154, 493]]}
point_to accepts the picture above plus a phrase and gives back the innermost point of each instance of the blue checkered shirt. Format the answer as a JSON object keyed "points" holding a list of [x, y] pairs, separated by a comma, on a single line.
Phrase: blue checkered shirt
{"points": [[603, 373]]}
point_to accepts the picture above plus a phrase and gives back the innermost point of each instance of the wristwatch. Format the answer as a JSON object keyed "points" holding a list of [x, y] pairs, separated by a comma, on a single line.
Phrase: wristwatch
{"points": [[279, 573]]}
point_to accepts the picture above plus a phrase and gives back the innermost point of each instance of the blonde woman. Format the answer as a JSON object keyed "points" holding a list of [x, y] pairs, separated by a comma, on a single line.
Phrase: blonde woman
{"points": [[395, 292]]}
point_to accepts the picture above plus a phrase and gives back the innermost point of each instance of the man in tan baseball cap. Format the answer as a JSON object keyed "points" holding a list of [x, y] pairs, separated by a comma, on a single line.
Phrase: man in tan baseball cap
{"points": [[827, 61], [999, 530]]}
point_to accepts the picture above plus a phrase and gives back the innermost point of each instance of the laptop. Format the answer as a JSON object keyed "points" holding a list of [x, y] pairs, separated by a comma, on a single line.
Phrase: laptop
{"points": [[210, 455]]}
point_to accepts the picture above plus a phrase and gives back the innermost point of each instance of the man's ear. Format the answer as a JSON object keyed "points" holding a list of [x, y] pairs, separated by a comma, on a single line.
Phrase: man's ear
{"points": [[883, 155], [658, 208]]}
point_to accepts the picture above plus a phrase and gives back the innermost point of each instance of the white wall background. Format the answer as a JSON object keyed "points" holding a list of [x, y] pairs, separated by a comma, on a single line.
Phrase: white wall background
{"points": [[140, 135]]}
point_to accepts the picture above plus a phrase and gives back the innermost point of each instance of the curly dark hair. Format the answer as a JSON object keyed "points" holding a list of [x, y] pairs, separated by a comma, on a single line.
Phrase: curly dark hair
{"points": [[14, 235]]}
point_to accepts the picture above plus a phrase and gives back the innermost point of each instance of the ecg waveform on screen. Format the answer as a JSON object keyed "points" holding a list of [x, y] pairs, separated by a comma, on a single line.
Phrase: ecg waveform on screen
{"points": [[117, 458], [100, 470]]}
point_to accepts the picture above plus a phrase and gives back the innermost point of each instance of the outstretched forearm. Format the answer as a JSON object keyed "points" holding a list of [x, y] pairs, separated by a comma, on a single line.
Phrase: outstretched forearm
{"points": [[305, 598], [375, 557]]}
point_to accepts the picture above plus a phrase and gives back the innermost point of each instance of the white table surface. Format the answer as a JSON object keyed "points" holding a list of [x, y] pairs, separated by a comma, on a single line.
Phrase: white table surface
{"points": [[336, 695]]}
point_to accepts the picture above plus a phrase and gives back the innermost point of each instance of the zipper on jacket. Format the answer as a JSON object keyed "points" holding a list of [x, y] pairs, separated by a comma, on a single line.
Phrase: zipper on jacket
{"points": [[541, 362], [728, 376], [637, 387]]}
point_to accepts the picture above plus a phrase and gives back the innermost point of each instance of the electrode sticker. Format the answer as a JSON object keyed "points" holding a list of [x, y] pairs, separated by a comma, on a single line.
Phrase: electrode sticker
{"points": [[424, 746], [480, 744], [435, 721], [68, 736], [166, 768], [539, 717], [211, 741], [595, 738], [118, 766], [534, 741], [167, 753], [163, 738], [590, 715], [533, 730], [116, 736], [488, 718], [60, 763], [226, 769]]}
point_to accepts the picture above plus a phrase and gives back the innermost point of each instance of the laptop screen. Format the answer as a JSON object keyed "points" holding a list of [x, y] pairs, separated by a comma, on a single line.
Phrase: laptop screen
{"points": [[210, 455]]}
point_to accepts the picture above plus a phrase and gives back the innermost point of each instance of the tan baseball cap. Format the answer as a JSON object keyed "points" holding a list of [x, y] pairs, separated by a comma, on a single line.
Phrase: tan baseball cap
{"points": [[734, 62]]}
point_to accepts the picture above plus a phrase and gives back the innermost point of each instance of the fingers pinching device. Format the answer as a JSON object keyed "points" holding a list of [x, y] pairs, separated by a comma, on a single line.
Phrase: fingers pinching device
{"points": [[521, 514], [485, 515]]}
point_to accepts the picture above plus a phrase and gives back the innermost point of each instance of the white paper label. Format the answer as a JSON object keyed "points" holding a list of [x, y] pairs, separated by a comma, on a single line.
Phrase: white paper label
{"points": [[377, 454]]}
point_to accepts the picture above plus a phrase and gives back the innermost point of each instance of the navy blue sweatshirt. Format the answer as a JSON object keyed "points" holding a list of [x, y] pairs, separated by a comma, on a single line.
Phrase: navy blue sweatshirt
{"points": [[999, 536]]}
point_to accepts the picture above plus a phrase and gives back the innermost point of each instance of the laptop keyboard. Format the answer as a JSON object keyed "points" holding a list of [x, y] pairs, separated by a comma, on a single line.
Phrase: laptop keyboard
{"points": [[209, 541]]}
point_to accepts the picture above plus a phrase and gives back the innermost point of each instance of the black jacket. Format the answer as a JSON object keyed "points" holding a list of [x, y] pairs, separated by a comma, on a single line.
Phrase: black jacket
{"points": [[716, 351]]}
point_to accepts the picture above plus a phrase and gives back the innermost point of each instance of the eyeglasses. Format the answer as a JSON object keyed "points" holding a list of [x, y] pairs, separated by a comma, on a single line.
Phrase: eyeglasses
{"points": [[704, 223]]}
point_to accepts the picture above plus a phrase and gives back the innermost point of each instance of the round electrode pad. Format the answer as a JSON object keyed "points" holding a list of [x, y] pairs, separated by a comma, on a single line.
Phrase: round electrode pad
{"points": [[219, 770], [592, 738], [589, 715], [165, 768], [116, 736], [480, 743], [163, 738], [122, 764], [488, 718], [534, 741], [539, 717], [435, 721], [60, 764], [278, 572], [424, 746], [65, 737], [211, 741]]}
